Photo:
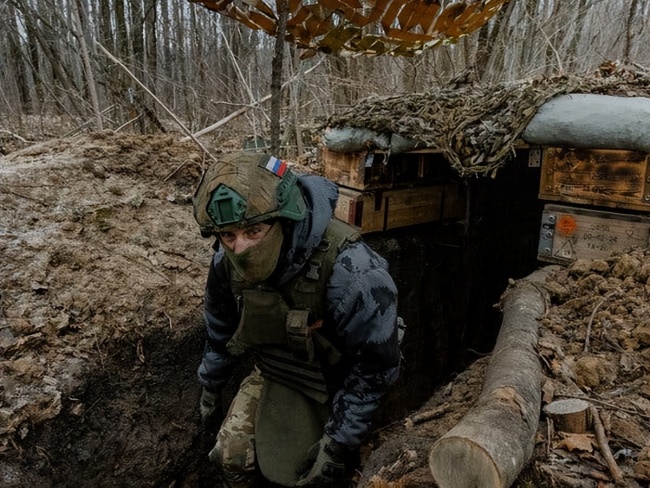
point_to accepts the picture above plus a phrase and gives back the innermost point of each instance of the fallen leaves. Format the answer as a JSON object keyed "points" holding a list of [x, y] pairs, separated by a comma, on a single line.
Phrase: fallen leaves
{"points": [[576, 442]]}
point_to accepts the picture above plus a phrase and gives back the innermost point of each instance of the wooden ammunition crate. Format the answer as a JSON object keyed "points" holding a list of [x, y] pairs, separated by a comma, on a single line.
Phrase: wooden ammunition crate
{"points": [[382, 210], [372, 170], [569, 233], [603, 177]]}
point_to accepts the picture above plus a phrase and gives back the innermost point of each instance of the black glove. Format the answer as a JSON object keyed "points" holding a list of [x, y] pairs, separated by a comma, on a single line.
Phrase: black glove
{"points": [[211, 408], [327, 464]]}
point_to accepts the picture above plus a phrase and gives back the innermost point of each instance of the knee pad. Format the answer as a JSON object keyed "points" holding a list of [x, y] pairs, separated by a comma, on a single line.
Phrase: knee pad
{"points": [[235, 453]]}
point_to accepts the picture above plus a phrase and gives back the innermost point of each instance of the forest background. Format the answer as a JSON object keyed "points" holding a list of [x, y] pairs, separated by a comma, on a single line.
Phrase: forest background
{"points": [[56, 80]]}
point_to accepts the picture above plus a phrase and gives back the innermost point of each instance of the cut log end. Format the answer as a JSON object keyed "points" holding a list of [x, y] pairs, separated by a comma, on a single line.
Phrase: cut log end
{"points": [[450, 454], [571, 415]]}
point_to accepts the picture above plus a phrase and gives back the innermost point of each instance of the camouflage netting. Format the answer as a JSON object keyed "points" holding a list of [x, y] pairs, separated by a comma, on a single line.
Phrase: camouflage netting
{"points": [[477, 125], [369, 27]]}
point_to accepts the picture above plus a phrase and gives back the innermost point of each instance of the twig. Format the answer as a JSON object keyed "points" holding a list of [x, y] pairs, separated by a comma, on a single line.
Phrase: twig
{"points": [[593, 314], [178, 168], [15, 136], [157, 100], [242, 110], [239, 73], [426, 416], [171, 323], [26, 197], [127, 123], [136, 261], [77, 31], [88, 122], [604, 447], [100, 353], [139, 262]]}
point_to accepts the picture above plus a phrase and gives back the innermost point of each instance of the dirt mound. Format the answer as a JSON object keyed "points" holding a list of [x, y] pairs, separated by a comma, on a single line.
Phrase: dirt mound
{"points": [[102, 268], [595, 345]]}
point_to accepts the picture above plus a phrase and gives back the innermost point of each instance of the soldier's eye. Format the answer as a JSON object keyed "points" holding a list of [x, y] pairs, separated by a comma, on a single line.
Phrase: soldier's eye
{"points": [[227, 236]]}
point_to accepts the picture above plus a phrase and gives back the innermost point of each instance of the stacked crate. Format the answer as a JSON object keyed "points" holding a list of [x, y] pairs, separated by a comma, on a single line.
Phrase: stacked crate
{"points": [[379, 192], [591, 182]]}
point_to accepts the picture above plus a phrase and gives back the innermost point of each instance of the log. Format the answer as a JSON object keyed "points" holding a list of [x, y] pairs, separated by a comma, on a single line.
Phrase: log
{"points": [[571, 415], [491, 444]]}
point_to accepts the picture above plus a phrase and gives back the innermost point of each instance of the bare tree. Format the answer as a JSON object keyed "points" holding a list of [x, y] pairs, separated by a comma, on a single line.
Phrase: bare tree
{"points": [[629, 30], [206, 66]]}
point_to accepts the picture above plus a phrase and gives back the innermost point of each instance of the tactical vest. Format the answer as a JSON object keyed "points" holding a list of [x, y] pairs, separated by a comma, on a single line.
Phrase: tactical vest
{"points": [[281, 324]]}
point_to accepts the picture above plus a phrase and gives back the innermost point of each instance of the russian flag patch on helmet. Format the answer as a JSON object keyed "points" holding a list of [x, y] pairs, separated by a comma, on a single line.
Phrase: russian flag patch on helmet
{"points": [[275, 166]]}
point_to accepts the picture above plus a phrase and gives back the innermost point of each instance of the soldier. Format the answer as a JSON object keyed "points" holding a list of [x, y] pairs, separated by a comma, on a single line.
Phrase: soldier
{"points": [[317, 309]]}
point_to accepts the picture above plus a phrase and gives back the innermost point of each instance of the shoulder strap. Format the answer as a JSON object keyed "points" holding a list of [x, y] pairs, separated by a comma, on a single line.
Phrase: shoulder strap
{"points": [[308, 289]]}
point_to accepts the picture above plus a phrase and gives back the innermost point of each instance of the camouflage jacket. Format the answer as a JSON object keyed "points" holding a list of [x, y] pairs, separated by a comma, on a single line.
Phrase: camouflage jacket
{"points": [[360, 317]]}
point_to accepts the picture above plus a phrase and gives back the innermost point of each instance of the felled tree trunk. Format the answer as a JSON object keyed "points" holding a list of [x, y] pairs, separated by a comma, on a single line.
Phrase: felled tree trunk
{"points": [[492, 443]]}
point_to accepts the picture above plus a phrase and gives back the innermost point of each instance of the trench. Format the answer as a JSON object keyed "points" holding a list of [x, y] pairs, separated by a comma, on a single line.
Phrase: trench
{"points": [[141, 425]]}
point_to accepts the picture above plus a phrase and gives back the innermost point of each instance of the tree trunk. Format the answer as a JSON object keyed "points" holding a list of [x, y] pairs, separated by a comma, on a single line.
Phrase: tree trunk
{"points": [[553, 60], [54, 55], [575, 42], [492, 443], [276, 77], [151, 43], [340, 82], [35, 64], [295, 92], [80, 20], [497, 43], [16, 64], [629, 31], [527, 28]]}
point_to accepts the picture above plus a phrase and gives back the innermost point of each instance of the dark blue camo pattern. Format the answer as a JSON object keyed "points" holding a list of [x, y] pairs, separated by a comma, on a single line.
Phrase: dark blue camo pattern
{"points": [[361, 313]]}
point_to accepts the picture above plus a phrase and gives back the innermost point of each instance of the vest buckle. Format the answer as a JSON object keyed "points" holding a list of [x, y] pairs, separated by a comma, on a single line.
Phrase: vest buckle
{"points": [[299, 336]]}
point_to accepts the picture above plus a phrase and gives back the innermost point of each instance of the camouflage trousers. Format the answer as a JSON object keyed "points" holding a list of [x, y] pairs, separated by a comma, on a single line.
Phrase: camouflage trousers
{"points": [[234, 450]]}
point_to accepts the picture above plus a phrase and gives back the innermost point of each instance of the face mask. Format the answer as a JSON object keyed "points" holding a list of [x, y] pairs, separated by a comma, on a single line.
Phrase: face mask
{"points": [[256, 263]]}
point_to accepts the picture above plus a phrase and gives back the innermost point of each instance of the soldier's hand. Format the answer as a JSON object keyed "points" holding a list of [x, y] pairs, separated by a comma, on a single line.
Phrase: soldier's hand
{"points": [[326, 464], [210, 408]]}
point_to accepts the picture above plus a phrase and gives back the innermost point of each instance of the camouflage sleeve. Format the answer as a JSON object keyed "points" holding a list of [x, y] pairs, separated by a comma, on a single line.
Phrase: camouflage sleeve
{"points": [[363, 300], [220, 316]]}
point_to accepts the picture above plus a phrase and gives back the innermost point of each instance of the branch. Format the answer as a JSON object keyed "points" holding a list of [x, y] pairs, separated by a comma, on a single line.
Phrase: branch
{"points": [[15, 136], [164, 107], [243, 110], [604, 447], [239, 73], [593, 314]]}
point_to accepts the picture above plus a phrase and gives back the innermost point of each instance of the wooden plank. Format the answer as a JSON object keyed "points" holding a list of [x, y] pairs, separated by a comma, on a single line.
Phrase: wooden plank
{"points": [[375, 170], [569, 233], [361, 209], [361, 171], [347, 169], [380, 210], [412, 206], [603, 177]]}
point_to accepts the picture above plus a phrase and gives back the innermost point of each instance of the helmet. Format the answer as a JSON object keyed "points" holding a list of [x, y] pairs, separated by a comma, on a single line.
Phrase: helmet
{"points": [[246, 188]]}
